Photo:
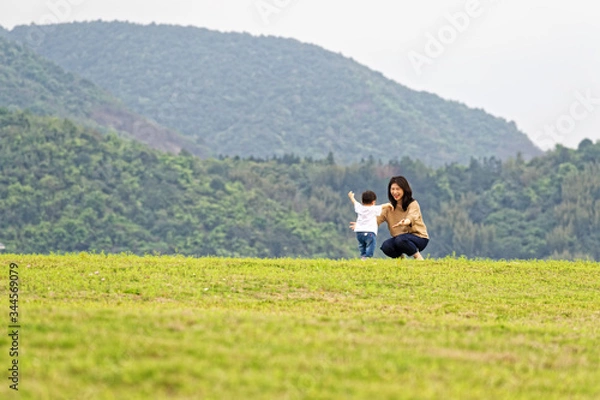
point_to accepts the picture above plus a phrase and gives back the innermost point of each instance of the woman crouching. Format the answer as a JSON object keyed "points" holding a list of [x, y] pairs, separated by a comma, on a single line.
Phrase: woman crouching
{"points": [[405, 222]]}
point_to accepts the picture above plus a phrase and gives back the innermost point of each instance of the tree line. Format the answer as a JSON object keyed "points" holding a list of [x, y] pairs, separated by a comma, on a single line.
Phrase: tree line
{"points": [[64, 188]]}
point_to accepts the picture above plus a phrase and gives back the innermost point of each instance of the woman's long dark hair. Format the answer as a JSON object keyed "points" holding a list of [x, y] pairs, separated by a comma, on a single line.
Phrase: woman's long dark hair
{"points": [[406, 198]]}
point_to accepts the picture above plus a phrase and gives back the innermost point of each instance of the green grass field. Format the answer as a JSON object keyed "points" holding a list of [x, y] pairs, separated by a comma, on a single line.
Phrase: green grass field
{"points": [[158, 327]]}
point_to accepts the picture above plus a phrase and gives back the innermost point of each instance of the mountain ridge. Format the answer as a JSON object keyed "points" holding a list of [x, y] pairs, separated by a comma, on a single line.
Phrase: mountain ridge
{"points": [[238, 94]]}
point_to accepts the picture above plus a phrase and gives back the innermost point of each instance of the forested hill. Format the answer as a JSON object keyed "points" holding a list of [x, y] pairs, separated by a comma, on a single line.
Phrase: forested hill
{"points": [[29, 81], [243, 95], [65, 188]]}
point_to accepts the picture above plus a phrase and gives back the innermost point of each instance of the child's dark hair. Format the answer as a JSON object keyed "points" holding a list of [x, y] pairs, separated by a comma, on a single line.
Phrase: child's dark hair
{"points": [[368, 197]]}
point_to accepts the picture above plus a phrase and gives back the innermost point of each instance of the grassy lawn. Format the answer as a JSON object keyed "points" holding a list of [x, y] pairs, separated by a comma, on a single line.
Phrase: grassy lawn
{"points": [[158, 327]]}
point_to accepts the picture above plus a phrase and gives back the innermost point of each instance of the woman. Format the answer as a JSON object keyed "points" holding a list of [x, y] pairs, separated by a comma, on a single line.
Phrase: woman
{"points": [[404, 220]]}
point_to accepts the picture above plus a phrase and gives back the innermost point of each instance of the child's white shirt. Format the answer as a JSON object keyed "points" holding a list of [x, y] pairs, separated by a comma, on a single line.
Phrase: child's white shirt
{"points": [[367, 218]]}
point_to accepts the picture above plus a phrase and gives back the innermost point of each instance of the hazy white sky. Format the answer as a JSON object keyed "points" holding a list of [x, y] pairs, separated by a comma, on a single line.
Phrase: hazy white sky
{"points": [[535, 62]]}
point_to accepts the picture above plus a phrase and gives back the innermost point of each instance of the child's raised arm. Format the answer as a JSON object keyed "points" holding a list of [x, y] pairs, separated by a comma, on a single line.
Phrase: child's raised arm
{"points": [[351, 196]]}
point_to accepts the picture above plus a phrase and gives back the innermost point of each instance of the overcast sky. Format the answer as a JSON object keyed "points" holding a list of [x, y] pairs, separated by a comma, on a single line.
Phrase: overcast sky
{"points": [[535, 62]]}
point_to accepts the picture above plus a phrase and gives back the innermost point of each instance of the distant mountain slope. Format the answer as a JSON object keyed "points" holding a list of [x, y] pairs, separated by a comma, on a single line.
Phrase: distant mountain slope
{"points": [[28, 81], [263, 96]]}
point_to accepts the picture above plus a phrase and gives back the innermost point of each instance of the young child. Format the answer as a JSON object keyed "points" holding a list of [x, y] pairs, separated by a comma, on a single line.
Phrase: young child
{"points": [[366, 222]]}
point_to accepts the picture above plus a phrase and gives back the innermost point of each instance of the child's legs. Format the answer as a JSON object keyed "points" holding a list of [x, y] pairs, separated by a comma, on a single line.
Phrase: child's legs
{"points": [[370, 241], [362, 243]]}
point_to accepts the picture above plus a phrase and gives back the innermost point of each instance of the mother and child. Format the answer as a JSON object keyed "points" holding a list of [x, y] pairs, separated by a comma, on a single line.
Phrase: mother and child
{"points": [[402, 215]]}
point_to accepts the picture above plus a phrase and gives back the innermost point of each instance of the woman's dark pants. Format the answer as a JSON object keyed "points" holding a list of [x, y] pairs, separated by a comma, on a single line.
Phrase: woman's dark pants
{"points": [[407, 243]]}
